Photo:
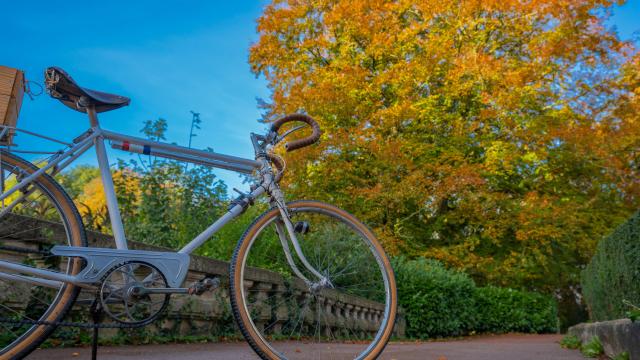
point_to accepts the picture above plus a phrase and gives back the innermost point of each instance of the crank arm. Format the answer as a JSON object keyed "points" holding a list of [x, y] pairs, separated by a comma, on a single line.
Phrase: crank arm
{"points": [[199, 288], [145, 291]]}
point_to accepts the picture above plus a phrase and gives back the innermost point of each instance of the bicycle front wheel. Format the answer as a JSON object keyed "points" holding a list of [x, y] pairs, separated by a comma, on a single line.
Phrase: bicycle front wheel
{"points": [[350, 316], [32, 221]]}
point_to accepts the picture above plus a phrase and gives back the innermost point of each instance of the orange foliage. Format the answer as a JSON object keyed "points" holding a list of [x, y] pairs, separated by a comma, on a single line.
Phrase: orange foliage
{"points": [[498, 136]]}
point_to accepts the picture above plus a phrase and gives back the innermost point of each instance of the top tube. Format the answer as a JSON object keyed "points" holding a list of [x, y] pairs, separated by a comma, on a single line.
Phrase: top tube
{"points": [[229, 162]]}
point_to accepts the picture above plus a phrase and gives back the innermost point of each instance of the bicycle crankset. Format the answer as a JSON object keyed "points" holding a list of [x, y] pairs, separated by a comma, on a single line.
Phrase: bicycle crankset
{"points": [[127, 295]]}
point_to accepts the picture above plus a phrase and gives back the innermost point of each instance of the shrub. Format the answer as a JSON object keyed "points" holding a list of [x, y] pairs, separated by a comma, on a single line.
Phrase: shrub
{"points": [[436, 301], [614, 273], [439, 302], [570, 342], [501, 310], [593, 348], [622, 356]]}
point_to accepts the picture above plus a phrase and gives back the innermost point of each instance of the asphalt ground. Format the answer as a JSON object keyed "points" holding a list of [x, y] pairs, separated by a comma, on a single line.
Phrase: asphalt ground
{"points": [[490, 347]]}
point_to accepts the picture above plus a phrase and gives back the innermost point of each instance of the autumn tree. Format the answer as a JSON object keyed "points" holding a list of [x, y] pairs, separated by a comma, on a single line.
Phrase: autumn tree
{"points": [[499, 137]]}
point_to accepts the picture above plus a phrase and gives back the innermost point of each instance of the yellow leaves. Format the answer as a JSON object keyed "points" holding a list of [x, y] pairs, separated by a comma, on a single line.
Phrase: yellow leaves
{"points": [[499, 157], [92, 203], [464, 119]]}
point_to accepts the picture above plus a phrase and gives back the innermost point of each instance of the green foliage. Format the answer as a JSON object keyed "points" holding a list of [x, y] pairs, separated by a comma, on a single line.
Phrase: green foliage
{"points": [[436, 301], [74, 180], [440, 302], [224, 241], [634, 313], [172, 204], [502, 310], [155, 129], [593, 348], [613, 274], [622, 356], [570, 342]]}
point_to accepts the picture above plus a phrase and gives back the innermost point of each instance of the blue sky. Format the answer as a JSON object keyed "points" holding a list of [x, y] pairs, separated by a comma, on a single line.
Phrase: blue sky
{"points": [[170, 57]]}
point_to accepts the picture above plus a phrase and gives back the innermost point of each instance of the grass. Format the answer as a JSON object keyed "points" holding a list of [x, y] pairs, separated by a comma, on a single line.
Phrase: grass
{"points": [[622, 356], [570, 342], [593, 348]]}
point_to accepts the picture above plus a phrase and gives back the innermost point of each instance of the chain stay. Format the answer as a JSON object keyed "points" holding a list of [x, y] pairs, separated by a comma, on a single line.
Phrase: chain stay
{"points": [[82, 325]]}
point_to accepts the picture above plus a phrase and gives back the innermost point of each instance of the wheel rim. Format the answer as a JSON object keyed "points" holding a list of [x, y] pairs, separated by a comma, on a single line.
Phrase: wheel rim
{"points": [[328, 323], [32, 227]]}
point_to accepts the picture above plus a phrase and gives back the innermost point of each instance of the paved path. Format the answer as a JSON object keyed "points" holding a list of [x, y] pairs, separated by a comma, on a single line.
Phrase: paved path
{"points": [[499, 347]]}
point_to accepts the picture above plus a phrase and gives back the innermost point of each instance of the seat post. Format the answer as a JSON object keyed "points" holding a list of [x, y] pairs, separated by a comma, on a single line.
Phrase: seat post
{"points": [[93, 116]]}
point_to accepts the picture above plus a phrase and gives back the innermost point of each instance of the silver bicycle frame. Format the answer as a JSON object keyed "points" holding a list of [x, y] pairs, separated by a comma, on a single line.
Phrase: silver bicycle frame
{"points": [[96, 136]]}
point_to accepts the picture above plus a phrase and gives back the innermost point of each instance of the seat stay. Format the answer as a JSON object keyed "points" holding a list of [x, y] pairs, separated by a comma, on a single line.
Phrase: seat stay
{"points": [[74, 151]]}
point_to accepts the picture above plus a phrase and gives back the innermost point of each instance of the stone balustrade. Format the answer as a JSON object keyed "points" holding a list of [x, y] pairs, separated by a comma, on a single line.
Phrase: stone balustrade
{"points": [[210, 313]]}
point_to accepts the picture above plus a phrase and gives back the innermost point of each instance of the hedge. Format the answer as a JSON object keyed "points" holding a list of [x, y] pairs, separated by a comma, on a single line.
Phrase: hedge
{"points": [[613, 275], [438, 302], [501, 310]]}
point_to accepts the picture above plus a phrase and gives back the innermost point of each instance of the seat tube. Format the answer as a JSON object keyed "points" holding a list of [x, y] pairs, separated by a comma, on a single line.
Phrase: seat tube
{"points": [[107, 184]]}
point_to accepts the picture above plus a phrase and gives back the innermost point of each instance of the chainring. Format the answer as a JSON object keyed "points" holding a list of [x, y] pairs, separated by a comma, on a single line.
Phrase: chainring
{"points": [[122, 294]]}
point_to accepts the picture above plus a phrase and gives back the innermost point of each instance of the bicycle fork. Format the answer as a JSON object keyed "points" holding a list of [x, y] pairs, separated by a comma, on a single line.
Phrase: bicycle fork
{"points": [[284, 227]]}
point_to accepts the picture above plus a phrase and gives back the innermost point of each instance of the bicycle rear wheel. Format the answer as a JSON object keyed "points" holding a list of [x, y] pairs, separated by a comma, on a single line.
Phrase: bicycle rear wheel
{"points": [[31, 222], [282, 317]]}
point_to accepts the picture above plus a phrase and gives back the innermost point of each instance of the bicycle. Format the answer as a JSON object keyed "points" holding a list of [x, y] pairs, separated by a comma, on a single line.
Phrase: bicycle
{"points": [[335, 258]]}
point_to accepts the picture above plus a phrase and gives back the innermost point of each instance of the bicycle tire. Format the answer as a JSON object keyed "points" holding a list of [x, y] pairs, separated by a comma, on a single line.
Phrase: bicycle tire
{"points": [[76, 236], [242, 314]]}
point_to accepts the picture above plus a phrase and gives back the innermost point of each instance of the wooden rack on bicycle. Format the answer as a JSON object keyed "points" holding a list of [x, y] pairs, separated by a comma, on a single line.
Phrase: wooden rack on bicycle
{"points": [[12, 88]]}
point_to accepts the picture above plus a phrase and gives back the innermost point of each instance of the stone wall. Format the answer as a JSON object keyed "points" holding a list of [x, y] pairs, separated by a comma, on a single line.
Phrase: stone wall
{"points": [[210, 314], [616, 336]]}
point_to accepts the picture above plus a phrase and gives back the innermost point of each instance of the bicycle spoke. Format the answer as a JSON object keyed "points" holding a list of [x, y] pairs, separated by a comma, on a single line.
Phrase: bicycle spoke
{"points": [[32, 221], [316, 323]]}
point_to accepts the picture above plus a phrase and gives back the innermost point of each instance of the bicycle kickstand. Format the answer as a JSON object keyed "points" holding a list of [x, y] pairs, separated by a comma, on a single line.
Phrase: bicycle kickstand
{"points": [[97, 315]]}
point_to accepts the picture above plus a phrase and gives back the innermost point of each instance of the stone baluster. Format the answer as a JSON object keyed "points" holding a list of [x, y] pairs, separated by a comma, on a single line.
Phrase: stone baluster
{"points": [[261, 308], [350, 319], [360, 324], [282, 310], [306, 313], [331, 317], [366, 315], [373, 315], [341, 318]]}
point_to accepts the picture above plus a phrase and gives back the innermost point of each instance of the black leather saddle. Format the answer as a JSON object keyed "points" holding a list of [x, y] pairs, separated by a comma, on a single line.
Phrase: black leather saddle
{"points": [[61, 86]]}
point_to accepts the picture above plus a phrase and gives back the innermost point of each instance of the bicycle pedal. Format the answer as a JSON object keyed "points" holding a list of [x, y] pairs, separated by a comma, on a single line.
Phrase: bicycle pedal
{"points": [[204, 285]]}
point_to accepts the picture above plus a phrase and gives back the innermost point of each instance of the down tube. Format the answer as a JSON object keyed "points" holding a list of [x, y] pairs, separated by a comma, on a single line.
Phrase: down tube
{"points": [[230, 215]]}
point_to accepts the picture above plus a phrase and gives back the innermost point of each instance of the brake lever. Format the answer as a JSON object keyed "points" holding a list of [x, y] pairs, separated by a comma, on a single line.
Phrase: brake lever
{"points": [[288, 132]]}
